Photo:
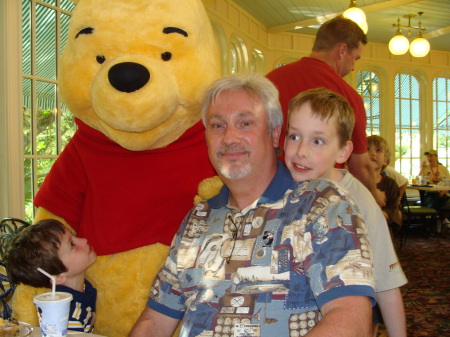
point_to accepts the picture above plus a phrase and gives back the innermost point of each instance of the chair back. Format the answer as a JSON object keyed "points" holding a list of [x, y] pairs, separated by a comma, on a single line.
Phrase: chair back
{"points": [[9, 228], [416, 216]]}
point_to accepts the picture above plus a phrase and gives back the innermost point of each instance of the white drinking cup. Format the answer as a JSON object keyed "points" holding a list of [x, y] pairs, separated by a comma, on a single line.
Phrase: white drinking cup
{"points": [[53, 313]]}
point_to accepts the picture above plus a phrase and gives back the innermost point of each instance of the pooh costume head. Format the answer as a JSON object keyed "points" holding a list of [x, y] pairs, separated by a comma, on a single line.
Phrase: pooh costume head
{"points": [[133, 73]]}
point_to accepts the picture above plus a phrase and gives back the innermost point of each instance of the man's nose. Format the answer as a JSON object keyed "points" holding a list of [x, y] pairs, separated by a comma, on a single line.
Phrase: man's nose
{"points": [[231, 135]]}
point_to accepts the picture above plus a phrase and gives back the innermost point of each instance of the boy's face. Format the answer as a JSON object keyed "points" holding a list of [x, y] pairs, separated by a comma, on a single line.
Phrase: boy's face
{"points": [[377, 157], [76, 254], [312, 146]]}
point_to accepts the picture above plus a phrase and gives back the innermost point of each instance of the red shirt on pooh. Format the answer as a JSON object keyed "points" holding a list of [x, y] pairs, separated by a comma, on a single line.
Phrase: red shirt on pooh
{"points": [[137, 219]]}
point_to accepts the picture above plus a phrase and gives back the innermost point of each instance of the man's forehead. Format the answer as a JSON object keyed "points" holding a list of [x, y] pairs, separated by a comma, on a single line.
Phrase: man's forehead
{"points": [[229, 94], [228, 113], [225, 97]]}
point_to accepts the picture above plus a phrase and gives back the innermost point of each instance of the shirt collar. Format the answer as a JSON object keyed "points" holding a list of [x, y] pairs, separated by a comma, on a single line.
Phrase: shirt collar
{"points": [[274, 192]]}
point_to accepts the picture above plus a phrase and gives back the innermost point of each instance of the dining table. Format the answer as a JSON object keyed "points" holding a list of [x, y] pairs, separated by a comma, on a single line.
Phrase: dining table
{"points": [[37, 333], [429, 188]]}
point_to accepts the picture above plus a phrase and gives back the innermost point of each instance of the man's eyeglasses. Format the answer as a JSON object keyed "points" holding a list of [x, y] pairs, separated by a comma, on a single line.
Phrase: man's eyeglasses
{"points": [[226, 251]]}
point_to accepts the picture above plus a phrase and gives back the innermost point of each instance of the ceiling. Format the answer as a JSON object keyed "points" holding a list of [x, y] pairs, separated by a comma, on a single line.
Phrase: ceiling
{"points": [[284, 15]]}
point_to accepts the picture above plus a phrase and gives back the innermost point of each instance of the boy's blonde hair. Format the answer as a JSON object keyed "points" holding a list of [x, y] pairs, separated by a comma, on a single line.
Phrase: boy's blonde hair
{"points": [[326, 104], [380, 142]]}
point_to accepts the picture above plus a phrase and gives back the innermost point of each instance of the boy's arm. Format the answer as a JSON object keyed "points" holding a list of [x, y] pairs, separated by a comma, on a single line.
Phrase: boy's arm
{"points": [[345, 317], [154, 324], [360, 166], [402, 190], [393, 312]]}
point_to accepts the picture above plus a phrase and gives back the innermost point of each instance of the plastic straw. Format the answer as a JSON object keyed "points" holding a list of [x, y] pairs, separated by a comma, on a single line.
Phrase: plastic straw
{"points": [[51, 277]]}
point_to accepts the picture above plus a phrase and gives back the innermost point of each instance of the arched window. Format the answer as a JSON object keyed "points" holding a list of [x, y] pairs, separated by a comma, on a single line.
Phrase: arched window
{"points": [[257, 63], [239, 56], [368, 86], [441, 120], [407, 124], [221, 40]]}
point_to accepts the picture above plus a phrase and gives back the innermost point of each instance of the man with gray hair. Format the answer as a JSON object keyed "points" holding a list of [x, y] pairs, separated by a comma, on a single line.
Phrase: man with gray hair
{"points": [[266, 256]]}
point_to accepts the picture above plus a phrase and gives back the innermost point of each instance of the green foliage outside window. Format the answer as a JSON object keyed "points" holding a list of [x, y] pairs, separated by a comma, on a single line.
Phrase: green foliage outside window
{"points": [[46, 146]]}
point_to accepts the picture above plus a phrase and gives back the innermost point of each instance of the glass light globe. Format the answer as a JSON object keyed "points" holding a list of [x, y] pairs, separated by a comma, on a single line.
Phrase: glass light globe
{"points": [[399, 44], [363, 26], [419, 47], [356, 14]]}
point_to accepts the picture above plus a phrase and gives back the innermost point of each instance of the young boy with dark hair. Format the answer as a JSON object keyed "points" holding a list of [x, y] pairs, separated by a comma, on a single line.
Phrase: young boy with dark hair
{"points": [[319, 129], [51, 246]]}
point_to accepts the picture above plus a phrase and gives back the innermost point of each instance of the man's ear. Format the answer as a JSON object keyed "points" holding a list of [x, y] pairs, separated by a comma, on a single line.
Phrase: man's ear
{"points": [[345, 152], [61, 278], [276, 132], [342, 50]]}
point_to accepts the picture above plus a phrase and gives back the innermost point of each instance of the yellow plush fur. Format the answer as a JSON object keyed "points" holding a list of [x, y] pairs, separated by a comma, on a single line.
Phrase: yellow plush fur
{"points": [[208, 188], [131, 31]]}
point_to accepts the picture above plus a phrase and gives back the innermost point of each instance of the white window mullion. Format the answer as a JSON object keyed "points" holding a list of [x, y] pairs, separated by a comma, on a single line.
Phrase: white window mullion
{"points": [[11, 172]]}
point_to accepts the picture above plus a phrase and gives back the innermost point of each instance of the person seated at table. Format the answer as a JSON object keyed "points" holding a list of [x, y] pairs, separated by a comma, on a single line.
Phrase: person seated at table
{"points": [[379, 154], [51, 246], [436, 172]]}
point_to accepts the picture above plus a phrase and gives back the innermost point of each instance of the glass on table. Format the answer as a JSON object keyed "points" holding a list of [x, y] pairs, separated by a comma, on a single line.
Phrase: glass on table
{"points": [[423, 180]]}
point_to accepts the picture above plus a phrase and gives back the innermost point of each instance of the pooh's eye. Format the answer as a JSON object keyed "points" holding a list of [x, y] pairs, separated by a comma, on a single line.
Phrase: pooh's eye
{"points": [[101, 59], [166, 56]]}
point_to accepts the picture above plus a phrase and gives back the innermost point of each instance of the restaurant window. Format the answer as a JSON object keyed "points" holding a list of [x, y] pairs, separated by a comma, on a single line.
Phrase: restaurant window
{"points": [[221, 40], [257, 63], [407, 124], [47, 123], [239, 57], [368, 86], [441, 121]]}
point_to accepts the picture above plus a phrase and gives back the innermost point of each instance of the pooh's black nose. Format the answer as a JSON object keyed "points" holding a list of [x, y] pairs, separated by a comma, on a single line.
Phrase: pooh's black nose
{"points": [[128, 76]]}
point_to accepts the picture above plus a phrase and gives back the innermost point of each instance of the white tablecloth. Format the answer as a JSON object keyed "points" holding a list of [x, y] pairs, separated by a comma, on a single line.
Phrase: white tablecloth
{"points": [[37, 333]]}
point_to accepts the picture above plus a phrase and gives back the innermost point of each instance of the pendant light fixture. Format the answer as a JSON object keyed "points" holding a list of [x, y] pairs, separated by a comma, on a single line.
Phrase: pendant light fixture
{"points": [[356, 14], [399, 44]]}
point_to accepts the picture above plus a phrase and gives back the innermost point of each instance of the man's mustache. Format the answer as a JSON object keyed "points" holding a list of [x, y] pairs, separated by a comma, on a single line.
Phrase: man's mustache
{"points": [[231, 149]]}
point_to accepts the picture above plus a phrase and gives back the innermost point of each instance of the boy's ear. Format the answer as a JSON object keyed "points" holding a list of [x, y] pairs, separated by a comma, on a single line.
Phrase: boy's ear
{"points": [[345, 152], [61, 278]]}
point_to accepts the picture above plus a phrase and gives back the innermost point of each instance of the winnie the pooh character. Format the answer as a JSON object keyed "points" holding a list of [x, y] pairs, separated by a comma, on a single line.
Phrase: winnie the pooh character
{"points": [[133, 73]]}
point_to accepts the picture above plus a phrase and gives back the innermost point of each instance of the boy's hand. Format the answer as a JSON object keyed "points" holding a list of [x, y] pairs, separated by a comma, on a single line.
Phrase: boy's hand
{"points": [[380, 198]]}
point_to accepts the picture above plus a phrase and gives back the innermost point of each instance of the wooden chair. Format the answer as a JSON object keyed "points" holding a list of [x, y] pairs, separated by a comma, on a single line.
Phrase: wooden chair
{"points": [[9, 228], [416, 217]]}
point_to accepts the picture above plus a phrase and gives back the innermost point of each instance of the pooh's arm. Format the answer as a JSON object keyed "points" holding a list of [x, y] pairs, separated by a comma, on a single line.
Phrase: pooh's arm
{"points": [[22, 303], [42, 213], [207, 189]]}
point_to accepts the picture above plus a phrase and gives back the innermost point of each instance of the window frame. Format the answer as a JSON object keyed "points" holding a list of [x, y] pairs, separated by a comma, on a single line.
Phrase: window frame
{"points": [[11, 150]]}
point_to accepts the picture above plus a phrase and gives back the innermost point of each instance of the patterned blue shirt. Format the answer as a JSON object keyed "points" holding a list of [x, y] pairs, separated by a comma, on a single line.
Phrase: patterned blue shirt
{"points": [[267, 269]]}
